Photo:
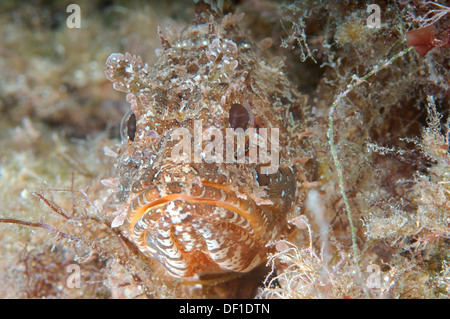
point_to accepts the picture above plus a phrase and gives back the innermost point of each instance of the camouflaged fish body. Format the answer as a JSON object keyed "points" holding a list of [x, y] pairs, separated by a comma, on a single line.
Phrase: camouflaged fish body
{"points": [[196, 217]]}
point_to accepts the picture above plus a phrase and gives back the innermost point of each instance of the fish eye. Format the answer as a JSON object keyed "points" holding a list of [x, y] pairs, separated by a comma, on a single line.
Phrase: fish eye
{"points": [[131, 127], [238, 116], [128, 127]]}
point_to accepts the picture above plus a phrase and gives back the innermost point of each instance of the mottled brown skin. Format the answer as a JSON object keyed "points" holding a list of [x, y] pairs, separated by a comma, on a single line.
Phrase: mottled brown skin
{"points": [[198, 219]]}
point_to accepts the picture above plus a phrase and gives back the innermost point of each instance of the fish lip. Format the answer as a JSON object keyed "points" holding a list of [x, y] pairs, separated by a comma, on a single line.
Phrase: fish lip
{"points": [[246, 218], [245, 208]]}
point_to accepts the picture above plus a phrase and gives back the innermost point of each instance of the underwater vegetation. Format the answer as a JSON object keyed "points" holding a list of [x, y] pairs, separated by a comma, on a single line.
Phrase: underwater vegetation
{"points": [[359, 90]]}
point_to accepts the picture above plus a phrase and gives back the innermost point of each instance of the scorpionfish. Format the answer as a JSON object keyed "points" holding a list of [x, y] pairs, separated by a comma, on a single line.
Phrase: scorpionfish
{"points": [[212, 156]]}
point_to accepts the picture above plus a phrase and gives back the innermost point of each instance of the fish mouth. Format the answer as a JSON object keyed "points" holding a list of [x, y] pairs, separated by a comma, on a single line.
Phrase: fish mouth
{"points": [[176, 221]]}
